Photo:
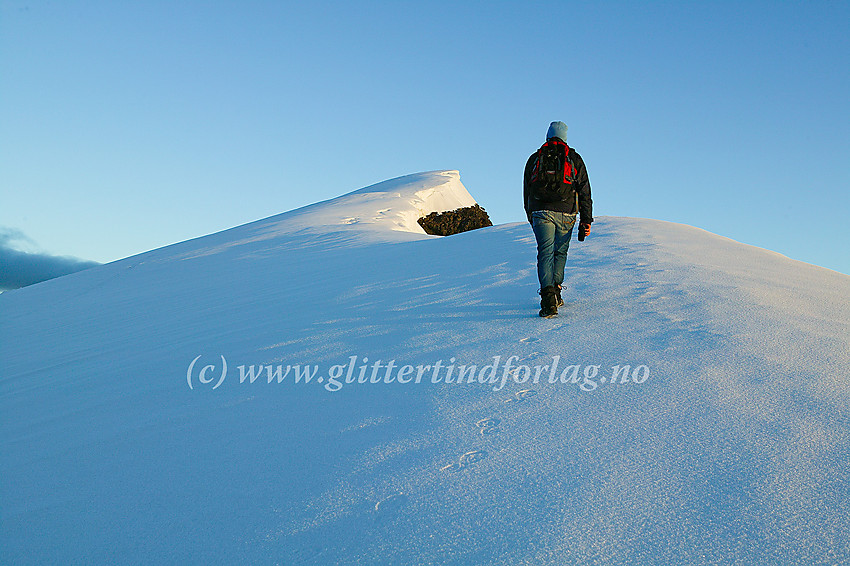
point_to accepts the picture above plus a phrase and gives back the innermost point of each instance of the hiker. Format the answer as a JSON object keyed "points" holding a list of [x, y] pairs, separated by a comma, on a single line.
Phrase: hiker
{"points": [[555, 189]]}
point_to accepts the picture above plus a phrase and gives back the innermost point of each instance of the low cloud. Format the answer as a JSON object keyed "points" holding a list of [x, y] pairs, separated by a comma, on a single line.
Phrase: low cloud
{"points": [[19, 268]]}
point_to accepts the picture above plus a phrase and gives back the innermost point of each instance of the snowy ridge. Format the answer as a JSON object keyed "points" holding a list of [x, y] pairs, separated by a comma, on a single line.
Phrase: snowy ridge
{"points": [[383, 212], [389, 206], [402, 201], [733, 449]]}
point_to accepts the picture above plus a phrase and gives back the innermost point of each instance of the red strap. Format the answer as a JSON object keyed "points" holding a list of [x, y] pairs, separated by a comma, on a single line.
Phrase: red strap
{"points": [[567, 166]]}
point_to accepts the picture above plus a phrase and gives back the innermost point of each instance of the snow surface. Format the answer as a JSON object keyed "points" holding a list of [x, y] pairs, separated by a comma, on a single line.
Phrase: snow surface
{"points": [[734, 450]]}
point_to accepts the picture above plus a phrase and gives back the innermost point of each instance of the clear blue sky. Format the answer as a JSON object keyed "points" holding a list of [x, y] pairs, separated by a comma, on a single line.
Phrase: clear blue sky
{"points": [[125, 126]]}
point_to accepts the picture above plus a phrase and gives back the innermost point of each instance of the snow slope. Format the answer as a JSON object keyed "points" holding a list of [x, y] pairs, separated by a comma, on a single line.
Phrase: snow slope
{"points": [[728, 444]]}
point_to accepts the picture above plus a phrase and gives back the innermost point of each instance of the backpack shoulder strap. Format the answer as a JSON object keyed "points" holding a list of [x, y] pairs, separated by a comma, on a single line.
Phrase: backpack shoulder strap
{"points": [[571, 161], [536, 168]]}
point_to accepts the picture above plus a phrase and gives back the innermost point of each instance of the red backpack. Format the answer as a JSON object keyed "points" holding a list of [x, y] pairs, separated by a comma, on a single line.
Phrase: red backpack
{"points": [[554, 173]]}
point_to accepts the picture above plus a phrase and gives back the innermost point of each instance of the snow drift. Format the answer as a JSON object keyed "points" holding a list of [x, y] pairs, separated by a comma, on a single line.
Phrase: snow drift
{"points": [[722, 440]]}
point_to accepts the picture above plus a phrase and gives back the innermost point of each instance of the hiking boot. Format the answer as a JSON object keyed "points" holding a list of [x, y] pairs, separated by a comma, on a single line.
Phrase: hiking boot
{"points": [[548, 302], [558, 300]]}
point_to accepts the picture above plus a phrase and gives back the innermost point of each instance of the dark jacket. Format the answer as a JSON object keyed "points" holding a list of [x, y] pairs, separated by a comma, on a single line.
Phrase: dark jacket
{"points": [[582, 188]]}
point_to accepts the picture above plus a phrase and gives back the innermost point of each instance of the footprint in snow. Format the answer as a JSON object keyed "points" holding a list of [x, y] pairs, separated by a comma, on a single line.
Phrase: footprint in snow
{"points": [[522, 395], [465, 461], [489, 426]]}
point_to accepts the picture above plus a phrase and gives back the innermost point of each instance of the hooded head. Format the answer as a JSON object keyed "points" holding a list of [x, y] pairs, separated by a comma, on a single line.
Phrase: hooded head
{"points": [[557, 130]]}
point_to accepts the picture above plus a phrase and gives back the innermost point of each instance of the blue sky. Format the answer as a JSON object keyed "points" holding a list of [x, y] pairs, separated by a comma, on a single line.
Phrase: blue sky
{"points": [[126, 126]]}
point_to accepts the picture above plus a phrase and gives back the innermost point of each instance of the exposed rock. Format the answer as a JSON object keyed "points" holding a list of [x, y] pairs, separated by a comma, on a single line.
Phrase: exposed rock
{"points": [[455, 221]]}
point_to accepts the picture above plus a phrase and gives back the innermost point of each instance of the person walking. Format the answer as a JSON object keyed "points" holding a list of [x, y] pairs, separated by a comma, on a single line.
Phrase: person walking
{"points": [[555, 190]]}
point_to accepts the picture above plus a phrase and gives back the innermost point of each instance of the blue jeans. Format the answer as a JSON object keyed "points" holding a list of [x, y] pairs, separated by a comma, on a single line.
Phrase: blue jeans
{"points": [[552, 231]]}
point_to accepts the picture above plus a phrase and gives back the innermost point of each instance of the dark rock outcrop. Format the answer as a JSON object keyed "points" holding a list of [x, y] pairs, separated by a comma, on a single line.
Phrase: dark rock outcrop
{"points": [[455, 221]]}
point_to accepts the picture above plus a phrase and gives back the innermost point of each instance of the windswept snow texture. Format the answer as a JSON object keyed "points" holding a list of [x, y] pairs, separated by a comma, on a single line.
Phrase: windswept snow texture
{"points": [[732, 449]]}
